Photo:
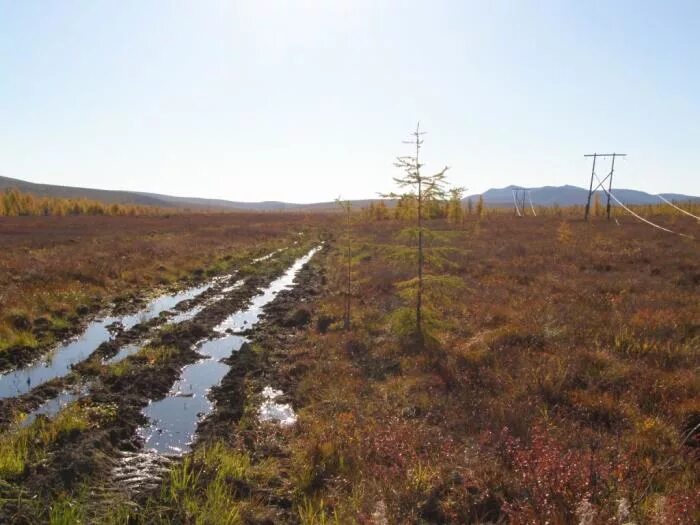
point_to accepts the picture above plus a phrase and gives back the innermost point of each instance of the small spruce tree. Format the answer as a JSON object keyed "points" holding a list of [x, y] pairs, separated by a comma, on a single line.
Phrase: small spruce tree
{"points": [[425, 191], [347, 209], [480, 207]]}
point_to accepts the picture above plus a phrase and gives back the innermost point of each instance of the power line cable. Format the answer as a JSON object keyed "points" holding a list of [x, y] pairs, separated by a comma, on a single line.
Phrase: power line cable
{"points": [[679, 209], [531, 206], [515, 201], [639, 216]]}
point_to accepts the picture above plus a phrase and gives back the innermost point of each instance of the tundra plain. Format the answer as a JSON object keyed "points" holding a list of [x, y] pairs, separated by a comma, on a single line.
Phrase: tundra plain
{"points": [[556, 380]]}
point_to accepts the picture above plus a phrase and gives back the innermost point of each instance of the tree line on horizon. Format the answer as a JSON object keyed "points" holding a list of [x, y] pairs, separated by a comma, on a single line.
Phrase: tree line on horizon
{"points": [[15, 203]]}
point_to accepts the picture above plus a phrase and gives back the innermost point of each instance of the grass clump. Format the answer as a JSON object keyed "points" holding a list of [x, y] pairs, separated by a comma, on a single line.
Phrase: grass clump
{"points": [[66, 512], [193, 494], [17, 339], [20, 446], [156, 354], [206, 487]]}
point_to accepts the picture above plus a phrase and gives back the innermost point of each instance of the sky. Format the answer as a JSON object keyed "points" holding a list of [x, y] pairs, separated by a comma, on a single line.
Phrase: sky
{"points": [[307, 100]]}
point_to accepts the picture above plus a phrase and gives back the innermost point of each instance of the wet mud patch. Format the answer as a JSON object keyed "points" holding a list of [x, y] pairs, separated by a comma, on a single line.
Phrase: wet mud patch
{"points": [[173, 420], [121, 337], [254, 366], [96, 457]]}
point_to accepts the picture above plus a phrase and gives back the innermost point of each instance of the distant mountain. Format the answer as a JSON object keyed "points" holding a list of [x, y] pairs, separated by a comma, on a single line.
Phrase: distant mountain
{"points": [[543, 196], [571, 195]]}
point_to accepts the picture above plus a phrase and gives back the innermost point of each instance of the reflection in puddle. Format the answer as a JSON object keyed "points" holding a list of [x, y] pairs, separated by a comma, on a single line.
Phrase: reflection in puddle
{"points": [[173, 420], [53, 406], [233, 287], [59, 362], [161, 304], [124, 352], [244, 319], [270, 410]]}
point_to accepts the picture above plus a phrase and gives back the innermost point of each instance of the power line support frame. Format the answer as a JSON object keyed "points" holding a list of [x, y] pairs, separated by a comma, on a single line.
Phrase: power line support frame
{"points": [[601, 183], [520, 198]]}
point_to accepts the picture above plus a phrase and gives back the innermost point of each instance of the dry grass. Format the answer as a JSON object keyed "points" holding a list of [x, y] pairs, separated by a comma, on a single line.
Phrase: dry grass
{"points": [[558, 383], [558, 386]]}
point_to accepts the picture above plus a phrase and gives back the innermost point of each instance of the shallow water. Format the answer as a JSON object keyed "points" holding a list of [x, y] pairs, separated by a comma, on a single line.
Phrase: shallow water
{"points": [[60, 361], [53, 406], [271, 410], [268, 256], [124, 352], [173, 420], [180, 317], [162, 304], [244, 319]]}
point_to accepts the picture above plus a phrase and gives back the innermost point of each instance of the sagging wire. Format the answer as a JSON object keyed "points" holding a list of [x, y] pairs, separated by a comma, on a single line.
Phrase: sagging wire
{"points": [[679, 209], [609, 194], [531, 206], [515, 201]]}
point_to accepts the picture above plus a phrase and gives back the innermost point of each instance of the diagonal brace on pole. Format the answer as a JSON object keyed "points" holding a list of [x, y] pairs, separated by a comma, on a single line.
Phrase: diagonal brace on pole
{"points": [[601, 183]]}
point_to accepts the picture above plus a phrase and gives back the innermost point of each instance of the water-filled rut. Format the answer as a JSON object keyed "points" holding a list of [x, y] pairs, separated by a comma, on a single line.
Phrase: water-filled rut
{"points": [[59, 362], [173, 420]]}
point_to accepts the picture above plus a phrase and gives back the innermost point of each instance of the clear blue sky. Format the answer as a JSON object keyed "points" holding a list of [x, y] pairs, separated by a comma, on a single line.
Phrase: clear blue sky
{"points": [[305, 100]]}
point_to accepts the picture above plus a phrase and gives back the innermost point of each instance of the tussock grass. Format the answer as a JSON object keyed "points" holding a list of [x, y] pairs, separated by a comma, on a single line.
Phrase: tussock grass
{"points": [[21, 445], [202, 488], [66, 512], [13, 339], [554, 369]]}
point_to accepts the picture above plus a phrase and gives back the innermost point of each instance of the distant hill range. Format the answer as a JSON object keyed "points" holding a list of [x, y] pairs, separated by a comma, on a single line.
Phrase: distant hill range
{"points": [[543, 196], [571, 195], [154, 199]]}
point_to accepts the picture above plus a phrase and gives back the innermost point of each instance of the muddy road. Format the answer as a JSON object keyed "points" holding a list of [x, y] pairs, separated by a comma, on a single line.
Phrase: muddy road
{"points": [[148, 378]]}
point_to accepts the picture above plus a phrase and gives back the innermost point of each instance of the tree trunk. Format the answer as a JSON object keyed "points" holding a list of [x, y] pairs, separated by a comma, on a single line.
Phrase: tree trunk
{"points": [[419, 297]]}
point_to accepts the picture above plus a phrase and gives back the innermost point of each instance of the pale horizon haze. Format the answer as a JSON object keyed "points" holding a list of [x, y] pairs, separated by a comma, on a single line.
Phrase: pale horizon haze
{"points": [[303, 101]]}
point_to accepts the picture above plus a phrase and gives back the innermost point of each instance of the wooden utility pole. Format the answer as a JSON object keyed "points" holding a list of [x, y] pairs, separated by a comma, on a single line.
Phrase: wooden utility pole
{"points": [[601, 183], [520, 198]]}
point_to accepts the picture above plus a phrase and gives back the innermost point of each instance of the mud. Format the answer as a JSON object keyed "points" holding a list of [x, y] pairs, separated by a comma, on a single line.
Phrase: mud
{"points": [[173, 420], [22, 356], [111, 459], [96, 454], [271, 337], [126, 334]]}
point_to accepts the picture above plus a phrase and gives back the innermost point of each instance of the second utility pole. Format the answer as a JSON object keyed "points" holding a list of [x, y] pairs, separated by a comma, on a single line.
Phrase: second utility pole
{"points": [[601, 183]]}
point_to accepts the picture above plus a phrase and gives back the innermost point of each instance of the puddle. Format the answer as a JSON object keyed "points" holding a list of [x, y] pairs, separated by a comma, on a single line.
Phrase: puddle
{"points": [[173, 420], [161, 304], [138, 471], [53, 406], [59, 362], [270, 410], [179, 317], [268, 256], [244, 319], [231, 288], [124, 352]]}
